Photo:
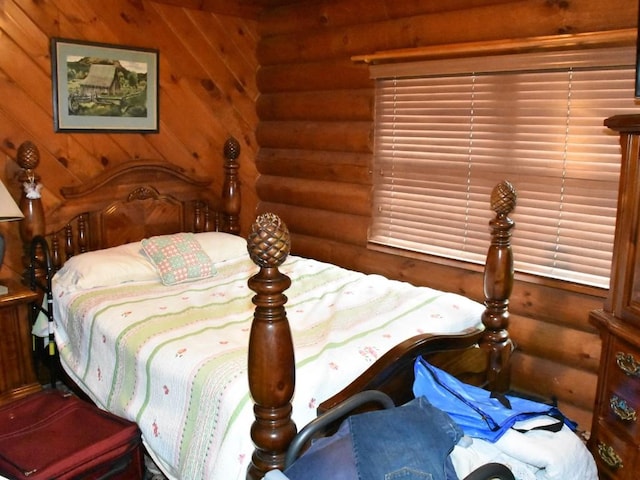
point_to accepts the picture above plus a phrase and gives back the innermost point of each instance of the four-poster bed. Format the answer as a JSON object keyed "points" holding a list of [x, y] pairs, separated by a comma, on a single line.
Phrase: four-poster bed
{"points": [[141, 199]]}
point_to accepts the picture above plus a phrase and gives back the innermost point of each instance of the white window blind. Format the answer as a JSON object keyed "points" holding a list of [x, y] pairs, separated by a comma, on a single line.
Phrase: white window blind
{"points": [[447, 131]]}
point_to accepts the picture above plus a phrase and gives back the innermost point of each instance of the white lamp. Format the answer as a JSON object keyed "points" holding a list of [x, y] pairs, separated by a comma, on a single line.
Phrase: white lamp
{"points": [[9, 211]]}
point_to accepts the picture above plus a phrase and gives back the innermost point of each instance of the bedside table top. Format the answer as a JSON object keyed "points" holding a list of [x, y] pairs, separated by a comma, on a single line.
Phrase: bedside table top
{"points": [[18, 292]]}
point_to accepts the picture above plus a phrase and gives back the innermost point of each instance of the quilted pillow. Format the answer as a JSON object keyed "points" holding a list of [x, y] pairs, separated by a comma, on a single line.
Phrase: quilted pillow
{"points": [[178, 258]]}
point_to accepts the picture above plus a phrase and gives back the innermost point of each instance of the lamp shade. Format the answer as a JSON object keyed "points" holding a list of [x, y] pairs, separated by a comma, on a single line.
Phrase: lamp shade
{"points": [[8, 209]]}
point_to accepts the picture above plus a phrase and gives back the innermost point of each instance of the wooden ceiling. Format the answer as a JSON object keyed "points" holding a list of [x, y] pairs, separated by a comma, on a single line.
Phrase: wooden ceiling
{"points": [[240, 8]]}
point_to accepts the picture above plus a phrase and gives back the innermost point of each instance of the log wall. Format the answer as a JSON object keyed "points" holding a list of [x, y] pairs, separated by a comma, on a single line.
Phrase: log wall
{"points": [[315, 135], [207, 92]]}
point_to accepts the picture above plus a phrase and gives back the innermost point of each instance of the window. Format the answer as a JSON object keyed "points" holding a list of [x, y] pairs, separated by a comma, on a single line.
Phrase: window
{"points": [[447, 131]]}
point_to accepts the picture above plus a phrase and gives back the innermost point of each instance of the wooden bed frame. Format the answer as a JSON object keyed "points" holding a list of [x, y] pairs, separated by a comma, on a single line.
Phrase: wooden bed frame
{"points": [[141, 198]]}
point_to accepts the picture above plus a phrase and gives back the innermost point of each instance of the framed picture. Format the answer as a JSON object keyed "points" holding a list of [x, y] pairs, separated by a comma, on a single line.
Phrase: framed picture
{"points": [[102, 87]]}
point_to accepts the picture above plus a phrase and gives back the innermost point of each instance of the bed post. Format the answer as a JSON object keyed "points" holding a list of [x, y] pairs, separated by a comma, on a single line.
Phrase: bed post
{"points": [[271, 363], [498, 283], [33, 224], [231, 200]]}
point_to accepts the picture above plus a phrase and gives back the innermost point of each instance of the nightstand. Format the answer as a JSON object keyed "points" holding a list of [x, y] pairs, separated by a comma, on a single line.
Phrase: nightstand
{"points": [[17, 375]]}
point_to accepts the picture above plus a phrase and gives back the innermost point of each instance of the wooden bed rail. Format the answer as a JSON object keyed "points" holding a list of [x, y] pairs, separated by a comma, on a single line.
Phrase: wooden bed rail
{"points": [[271, 361]]}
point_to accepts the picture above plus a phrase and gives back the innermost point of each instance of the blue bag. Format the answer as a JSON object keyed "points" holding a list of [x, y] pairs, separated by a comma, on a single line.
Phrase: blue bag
{"points": [[478, 412]]}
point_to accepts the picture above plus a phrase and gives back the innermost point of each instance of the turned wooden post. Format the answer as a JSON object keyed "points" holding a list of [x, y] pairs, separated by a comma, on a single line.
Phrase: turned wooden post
{"points": [[33, 224], [271, 363], [498, 283], [231, 200]]}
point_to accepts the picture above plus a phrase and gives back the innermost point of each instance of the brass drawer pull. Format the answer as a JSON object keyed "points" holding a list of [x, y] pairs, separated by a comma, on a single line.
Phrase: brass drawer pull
{"points": [[628, 364], [609, 456], [621, 409]]}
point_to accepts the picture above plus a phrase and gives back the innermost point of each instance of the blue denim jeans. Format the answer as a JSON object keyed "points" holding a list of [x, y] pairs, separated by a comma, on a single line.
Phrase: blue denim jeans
{"points": [[411, 442]]}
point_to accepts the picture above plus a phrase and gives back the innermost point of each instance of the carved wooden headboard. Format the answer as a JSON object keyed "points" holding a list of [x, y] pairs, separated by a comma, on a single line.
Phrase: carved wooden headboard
{"points": [[134, 200]]}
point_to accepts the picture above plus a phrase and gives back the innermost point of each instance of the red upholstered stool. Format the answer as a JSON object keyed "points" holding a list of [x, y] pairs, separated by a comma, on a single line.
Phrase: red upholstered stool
{"points": [[52, 434]]}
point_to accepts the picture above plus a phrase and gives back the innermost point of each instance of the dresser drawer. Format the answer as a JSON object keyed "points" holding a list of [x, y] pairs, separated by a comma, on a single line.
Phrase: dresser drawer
{"points": [[621, 411], [616, 458], [625, 357], [623, 370]]}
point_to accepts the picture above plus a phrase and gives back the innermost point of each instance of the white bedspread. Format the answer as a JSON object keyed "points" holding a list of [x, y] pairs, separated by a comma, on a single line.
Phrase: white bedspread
{"points": [[174, 359]]}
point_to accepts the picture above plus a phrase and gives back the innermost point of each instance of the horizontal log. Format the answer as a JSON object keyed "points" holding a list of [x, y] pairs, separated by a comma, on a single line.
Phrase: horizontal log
{"points": [[556, 342], [537, 375], [557, 304], [332, 196], [320, 165], [492, 22], [334, 136], [325, 76], [341, 105], [323, 15], [321, 224]]}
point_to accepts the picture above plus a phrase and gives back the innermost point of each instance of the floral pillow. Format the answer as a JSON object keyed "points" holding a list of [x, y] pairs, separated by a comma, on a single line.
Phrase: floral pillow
{"points": [[178, 258]]}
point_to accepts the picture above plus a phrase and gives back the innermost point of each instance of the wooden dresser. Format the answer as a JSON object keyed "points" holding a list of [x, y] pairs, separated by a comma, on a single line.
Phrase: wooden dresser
{"points": [[615, 435]]}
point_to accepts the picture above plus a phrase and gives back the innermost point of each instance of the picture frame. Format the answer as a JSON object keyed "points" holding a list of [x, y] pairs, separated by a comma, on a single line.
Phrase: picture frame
{"points": [[104, 87]]}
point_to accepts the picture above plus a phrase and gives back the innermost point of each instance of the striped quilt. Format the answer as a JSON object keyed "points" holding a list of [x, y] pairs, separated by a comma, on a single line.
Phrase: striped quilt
{"points": [[174, 358]]}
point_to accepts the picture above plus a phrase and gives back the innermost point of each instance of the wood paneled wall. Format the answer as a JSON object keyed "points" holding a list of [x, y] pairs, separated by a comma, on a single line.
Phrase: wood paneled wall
{"points": [[207, 93], [315, 137]]}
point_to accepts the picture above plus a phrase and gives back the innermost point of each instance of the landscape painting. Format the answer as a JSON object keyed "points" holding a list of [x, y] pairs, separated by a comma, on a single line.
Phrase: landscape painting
{"points": [[104, 87]]}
